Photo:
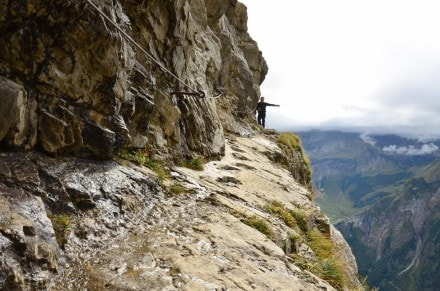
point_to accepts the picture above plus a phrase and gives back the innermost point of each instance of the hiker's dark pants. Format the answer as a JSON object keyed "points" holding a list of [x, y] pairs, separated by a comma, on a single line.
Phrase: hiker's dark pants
{"points": [[261, 118]]}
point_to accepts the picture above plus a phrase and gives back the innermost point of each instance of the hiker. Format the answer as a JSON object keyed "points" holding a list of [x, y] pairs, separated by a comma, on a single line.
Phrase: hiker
{"points": [[261, 111]]}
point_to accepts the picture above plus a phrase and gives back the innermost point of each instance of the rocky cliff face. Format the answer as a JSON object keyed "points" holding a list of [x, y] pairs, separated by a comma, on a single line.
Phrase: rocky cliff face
{"points": [[73, 81], [98, 79]]}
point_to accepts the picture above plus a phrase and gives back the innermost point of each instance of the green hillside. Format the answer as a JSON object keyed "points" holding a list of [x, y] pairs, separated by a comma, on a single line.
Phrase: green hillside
{"points": [[397, 241], [351, 174], [385, 204]]}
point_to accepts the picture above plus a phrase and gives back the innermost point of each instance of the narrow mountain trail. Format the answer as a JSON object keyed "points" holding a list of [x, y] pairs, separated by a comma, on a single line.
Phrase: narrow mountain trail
{"points": [[196, 240]]}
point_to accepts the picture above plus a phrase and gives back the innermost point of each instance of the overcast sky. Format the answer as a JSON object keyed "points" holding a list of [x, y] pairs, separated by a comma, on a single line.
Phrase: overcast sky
{"points": [[350, 64]]}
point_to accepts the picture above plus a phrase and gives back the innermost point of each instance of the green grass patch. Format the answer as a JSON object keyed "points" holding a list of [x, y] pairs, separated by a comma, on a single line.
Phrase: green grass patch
{"points": [[326, 264], [194, 164], [329, 266], [142, 157], [178, 189], [291, 140], [139, 157], [301, 262], [236, 213], [156, 167], [62, 225], [321, 244], [260, 225], [332, 271], [301, 219], [289, 143], [290, 217], [278, 208]]}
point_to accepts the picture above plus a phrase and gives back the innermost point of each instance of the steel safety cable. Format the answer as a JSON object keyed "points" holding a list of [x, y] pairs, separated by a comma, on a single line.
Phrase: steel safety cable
{"points": [[130, 39]]}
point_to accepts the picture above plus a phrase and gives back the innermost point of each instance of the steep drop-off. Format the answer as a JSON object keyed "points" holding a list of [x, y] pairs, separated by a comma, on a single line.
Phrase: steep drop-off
{"points": [[396, 241], [385, 191]]}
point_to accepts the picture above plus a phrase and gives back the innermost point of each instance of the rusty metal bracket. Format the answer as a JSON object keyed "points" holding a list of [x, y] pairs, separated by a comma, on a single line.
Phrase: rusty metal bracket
{"points": [[199, 94]]}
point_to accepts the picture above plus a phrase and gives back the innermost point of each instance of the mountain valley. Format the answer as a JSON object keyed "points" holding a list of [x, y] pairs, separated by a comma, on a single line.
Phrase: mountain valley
{"points": [[383, 193]]}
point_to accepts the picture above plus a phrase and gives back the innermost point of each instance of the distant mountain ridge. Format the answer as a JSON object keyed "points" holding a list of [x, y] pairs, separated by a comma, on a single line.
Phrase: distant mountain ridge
{"points": [[397, 241], [354, 170], [384, 192]]}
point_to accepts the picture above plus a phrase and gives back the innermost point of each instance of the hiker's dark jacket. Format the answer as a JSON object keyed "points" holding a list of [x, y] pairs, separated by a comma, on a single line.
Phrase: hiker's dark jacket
{"points": [[261, 106]]}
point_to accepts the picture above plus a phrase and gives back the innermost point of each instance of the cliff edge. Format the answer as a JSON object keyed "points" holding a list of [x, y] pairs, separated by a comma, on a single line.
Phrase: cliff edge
{"points": [[130, 159]]}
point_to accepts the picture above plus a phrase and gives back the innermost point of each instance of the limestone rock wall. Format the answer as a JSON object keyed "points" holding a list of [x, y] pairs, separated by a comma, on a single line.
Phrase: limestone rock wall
{"points": [[73, 83]]}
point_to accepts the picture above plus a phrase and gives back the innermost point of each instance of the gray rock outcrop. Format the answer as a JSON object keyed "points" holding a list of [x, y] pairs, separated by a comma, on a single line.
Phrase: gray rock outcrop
{"points": [[75, 83]]}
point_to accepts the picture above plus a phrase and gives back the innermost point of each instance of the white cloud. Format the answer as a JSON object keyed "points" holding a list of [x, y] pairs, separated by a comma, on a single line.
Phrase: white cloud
{"points": [[368, 139], [345, 63], [425, 149]]}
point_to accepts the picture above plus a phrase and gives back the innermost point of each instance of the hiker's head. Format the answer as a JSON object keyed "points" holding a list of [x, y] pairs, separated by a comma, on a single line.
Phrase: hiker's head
{"points": [[262, 98]]}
